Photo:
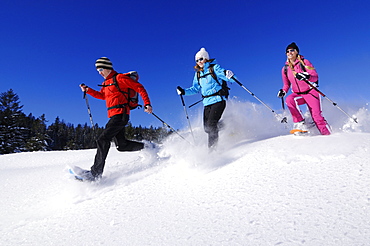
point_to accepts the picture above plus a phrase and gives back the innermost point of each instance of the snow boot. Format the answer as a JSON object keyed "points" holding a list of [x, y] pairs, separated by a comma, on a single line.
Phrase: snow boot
{"points": [[299, 128]]}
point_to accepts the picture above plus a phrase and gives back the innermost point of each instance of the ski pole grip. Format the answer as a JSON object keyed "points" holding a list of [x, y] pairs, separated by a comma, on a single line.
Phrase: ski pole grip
{"points": [[84, 94]]}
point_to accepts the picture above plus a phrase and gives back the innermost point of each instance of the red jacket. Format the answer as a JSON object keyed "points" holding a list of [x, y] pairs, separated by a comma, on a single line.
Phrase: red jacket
{"points": [[114, 97]]}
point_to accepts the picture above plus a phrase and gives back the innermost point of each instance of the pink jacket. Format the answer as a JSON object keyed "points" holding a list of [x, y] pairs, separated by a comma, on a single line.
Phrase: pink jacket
{"points": [[289, 79]]}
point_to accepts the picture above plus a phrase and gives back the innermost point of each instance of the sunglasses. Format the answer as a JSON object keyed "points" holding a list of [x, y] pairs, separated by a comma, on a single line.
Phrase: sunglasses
{"points": [[200, 59], [100, 70], [291, 50]]}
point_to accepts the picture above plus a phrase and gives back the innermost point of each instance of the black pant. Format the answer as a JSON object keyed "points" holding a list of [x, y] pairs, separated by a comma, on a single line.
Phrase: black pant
{"points": [[212, 114], [115, 128]]}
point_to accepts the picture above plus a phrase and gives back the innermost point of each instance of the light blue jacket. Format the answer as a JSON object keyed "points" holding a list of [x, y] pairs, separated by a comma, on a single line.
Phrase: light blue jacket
{"points": [[207, 85]]}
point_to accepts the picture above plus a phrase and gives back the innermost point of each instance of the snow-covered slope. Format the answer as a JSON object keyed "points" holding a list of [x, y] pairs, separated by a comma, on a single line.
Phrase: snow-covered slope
{"points": [[262, 187]]}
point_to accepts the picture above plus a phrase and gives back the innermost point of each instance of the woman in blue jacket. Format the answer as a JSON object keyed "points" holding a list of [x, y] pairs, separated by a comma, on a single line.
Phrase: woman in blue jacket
{"points": [[208, 80]]}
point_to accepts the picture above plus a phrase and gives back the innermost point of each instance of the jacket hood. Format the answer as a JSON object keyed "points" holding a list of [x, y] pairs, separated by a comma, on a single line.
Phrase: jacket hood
{"points": [[207, 64]]}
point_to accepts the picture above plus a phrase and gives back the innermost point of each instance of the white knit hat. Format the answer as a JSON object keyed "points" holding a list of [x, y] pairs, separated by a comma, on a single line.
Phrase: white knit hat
{"points": [[202, 53], [104, 62]]}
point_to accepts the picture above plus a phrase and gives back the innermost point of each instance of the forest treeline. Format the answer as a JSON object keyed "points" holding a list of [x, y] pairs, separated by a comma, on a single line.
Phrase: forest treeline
{"points": [[23, 133]]}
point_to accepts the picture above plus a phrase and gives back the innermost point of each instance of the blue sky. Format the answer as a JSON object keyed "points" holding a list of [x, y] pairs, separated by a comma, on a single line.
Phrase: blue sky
{"points": [[49, 47]]}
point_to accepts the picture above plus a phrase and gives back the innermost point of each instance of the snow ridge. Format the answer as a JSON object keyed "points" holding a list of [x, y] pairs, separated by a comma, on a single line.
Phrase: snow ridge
{"points": [[261, 187]]}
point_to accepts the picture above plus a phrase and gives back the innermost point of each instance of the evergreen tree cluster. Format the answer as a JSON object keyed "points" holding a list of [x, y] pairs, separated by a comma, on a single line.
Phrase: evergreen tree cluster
{"points": [[22, 133]]}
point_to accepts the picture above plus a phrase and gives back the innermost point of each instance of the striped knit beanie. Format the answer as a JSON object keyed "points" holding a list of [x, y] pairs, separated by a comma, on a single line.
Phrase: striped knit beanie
{"points": [[104, 62]]}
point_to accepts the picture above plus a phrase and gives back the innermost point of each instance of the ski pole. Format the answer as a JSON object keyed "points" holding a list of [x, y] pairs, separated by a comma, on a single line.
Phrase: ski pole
{"points": [[164, 123], [335, 104], [89, 111], [282, 119], [196, 103], [187, 116], [282, 103]]}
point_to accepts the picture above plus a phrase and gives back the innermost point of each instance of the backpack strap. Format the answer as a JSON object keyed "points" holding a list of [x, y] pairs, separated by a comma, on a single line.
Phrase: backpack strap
{"points": [[223, 92], [118, 106], [303, 67], [211, 72], [116, 83], [124, 105]]}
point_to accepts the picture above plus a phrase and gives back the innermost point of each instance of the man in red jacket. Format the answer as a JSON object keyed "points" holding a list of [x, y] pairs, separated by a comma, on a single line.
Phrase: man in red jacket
{"points": [[118, 112]]}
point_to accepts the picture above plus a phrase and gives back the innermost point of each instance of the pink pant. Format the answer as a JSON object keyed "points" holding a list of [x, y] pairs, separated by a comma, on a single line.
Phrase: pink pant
{"points": [[312, 99]]}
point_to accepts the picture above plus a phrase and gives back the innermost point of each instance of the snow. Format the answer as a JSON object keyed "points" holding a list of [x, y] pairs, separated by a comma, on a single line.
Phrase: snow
{"points": [[261, 187]]}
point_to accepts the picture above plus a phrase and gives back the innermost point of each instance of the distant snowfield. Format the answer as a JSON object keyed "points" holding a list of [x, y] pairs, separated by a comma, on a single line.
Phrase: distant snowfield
{"points": [[262, 187]]}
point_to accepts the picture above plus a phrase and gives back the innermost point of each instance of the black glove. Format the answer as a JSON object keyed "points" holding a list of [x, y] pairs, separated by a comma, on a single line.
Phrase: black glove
{"points": [[281, 93], [302, 76], [180, 91], [84, 87]]}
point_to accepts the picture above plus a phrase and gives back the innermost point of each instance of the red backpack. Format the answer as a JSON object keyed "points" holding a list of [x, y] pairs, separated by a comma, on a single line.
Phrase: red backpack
{"points": [[131, 95]]}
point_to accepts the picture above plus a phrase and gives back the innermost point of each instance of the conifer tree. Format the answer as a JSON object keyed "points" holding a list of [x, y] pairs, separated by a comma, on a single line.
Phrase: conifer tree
{"points": [[12, 132], [38, 138], [58, 133]]}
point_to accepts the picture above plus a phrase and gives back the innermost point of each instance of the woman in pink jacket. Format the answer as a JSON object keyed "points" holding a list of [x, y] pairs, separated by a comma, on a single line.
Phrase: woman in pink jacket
{"points": [[299, 74]]}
